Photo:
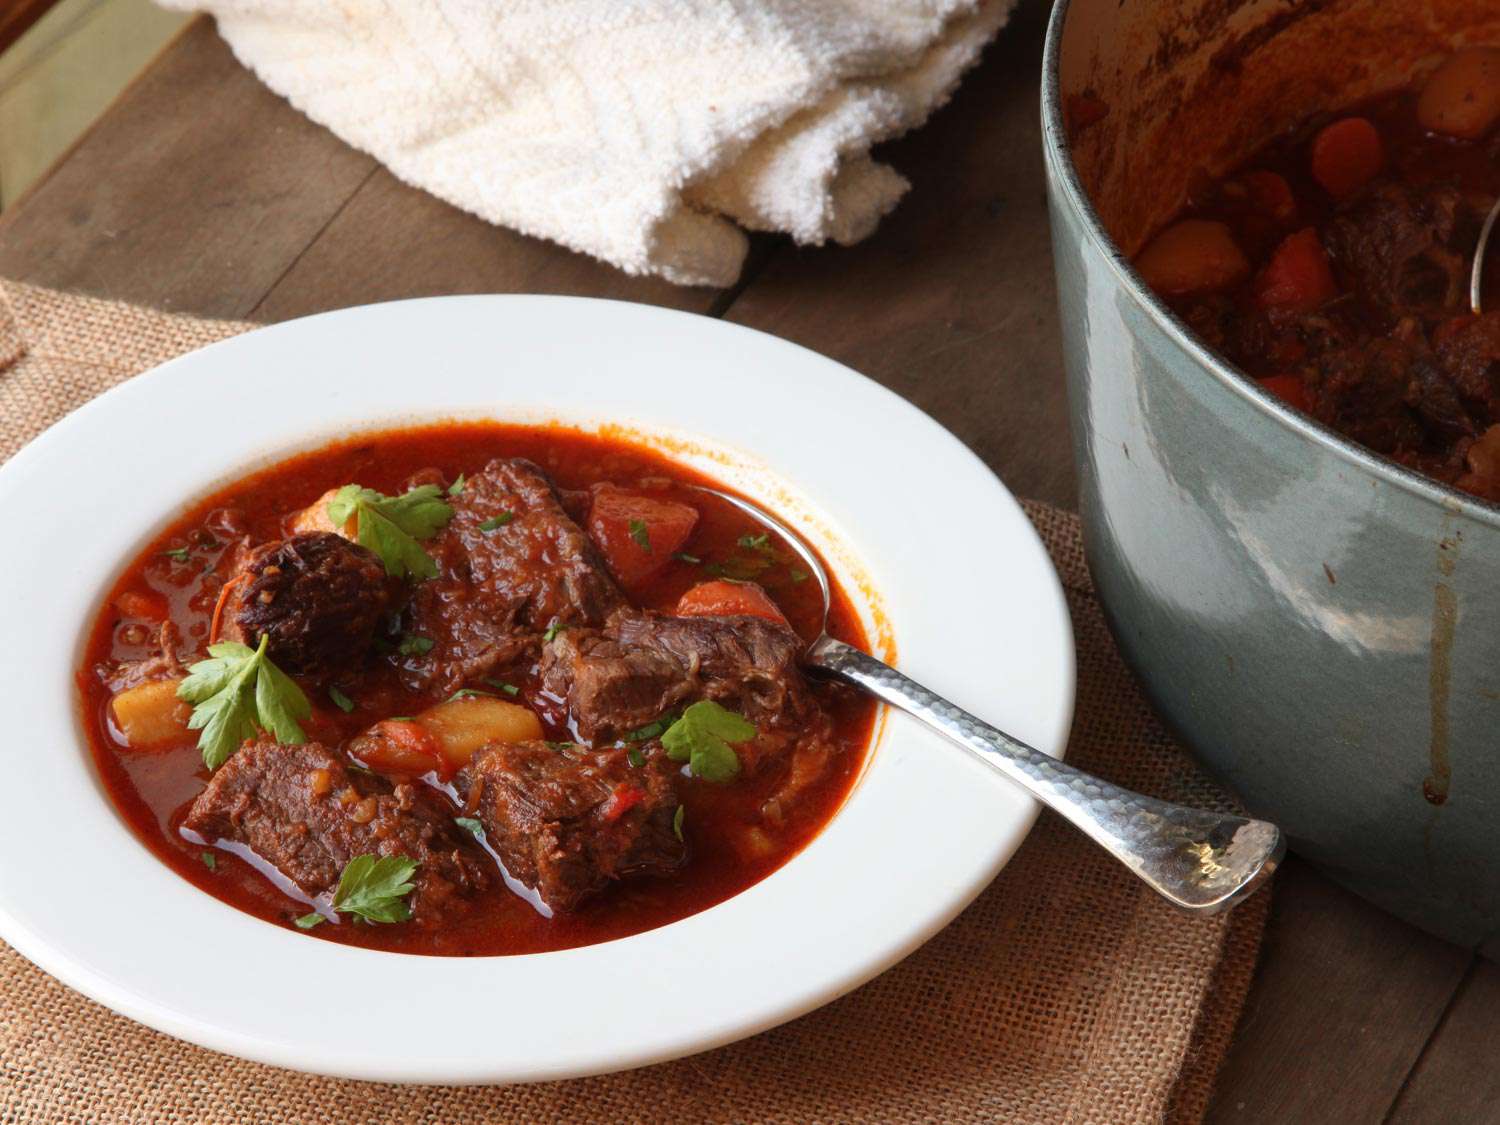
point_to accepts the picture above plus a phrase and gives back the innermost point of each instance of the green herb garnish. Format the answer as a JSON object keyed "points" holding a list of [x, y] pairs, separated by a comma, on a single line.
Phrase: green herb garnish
{"points": [[237, 694], [635, 757], [340, 700], [497, 521], [677, 820], [471, 826], [210, 861], [308, 921], [761, 542], [641, 536], [414, 644], [469, 693], [653, 729], [799, 575], [702, 737], [508, 689], [458, 485], [391, 525], [375, 888], [683, 556], [178, 553], [552, 630]]}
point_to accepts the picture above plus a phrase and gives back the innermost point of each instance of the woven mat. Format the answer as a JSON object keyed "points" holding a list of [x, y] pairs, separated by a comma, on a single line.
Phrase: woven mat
{"points": [[1066, 993]]}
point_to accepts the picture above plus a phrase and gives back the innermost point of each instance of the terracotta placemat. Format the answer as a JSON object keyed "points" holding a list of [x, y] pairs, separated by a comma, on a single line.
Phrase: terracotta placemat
{"points": [[1066, 993]]}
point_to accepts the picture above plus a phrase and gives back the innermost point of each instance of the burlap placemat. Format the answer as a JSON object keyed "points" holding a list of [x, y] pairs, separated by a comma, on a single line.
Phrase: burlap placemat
{"points": [[1066, 993]]}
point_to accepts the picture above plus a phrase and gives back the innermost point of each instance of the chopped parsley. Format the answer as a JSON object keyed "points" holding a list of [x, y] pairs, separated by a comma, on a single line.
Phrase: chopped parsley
{"points": [[683, 556], [392, 525], [641, 536], [635, 757], [508, 689], [210, 861], [761, 542], [469, 693], [375, 888], [702, 737], [471, 826], [677, 820], [180, 554], [414, 644], [340, 700], [653, 729], [308, 921], [497, 521], [739, 568], [237, 694], [552, 630], [458, 485], [799, 575]]}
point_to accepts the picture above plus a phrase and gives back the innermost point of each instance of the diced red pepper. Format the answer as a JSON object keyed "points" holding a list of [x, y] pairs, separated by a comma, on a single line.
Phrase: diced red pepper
{"points": [[721, 598], [624, 798], [1346, 156], [638, 533], [1298, 277], [1290, 389]]}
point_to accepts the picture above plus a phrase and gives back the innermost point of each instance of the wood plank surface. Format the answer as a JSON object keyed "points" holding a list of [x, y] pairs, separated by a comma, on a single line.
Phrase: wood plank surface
{"points": [[202, 192]]}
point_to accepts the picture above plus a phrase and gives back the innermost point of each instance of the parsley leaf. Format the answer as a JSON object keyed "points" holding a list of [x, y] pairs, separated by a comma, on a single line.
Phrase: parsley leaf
{"points": [[237, 694], [687, 558], [677, 820], [799, 575], [391, 525], [652, 729], [702, 737], [641, 536], [471, 826], [375, 889], [508, 689], [469, 693], [458, 485], [308, 921], [210, 861], [497, 521], [178, 553], [552, 630], [414, 644], [759, 542], [340, 700]]}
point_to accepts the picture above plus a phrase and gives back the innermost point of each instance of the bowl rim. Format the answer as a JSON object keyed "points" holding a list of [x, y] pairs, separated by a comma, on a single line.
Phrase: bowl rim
{"points": [[1064, 183], [570, 360]]}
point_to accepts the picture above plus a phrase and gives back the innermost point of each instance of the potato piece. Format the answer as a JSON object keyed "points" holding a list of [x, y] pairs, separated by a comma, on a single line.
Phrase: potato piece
{"points": [[151, 717], [314, 517], [1192, 256], [1462, 98], [461, 726]]}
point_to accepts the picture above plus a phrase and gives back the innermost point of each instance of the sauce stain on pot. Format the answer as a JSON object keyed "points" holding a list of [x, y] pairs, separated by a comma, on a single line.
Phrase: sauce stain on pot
{"points": [[1440, 671]]}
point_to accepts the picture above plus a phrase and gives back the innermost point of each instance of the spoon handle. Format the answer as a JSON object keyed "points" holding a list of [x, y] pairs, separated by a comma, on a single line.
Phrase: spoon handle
{"points": [[1201, 861]]}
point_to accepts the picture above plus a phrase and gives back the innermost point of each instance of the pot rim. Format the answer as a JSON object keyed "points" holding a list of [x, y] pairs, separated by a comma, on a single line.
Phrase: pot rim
{"points": [[1064, 177]]}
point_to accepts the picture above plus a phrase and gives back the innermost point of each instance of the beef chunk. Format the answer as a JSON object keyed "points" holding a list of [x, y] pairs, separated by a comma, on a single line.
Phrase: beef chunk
{"points": [[642, 665], [566, 822], [1406, 248], [1470, 355], [511, 563], [316, 595], [300, 810], [1367, 391]]}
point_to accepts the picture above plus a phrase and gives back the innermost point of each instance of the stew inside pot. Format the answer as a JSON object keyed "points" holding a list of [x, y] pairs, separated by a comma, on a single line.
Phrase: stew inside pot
{"points": [[1334, 267], [470, 689]]}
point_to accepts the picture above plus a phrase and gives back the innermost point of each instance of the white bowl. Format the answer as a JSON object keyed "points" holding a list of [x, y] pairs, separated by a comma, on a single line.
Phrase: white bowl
{"points": [[943, 564]]}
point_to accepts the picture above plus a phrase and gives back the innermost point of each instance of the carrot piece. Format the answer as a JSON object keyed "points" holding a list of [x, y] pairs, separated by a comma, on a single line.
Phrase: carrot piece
{"points": [[1271, 195], [146, 606], [1298, 277], [218, 617], [637, 533], [729, 599], [1346, 155], [1290, 389], [1192, 256], [399, 745]]}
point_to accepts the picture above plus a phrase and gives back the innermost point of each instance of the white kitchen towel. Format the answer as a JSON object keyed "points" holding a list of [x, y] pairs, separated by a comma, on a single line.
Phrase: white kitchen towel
{"points": [[645, 132]]}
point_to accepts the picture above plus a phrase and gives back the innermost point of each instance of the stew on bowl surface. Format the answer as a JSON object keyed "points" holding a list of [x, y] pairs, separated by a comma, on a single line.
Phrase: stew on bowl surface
{"points": [[470, 689], [1334, 268]]}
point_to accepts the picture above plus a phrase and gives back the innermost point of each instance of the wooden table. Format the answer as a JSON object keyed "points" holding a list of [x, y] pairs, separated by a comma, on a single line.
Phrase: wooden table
{"points": [[200, 191]]}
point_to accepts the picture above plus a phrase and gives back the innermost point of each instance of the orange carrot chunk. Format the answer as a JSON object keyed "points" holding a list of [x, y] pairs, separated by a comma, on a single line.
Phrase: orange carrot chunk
{"points": [[1298, 277], [638, 533], [1192, 256], [729, 599], [1346, 156]]}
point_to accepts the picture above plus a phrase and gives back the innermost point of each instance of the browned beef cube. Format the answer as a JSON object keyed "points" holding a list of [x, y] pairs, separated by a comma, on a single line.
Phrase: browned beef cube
{"points": [[641, 666], [318, 598], [566, 822], [511, 563], [303, 813]]}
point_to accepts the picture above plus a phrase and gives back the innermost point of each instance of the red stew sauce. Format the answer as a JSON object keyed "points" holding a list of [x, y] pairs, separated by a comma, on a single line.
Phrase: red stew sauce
{"points": [[728, 840]]}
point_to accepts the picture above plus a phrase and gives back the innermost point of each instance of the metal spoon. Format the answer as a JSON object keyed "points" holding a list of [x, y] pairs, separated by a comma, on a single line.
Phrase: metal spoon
{"points": [[1202, 861], [1476, 277]]}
